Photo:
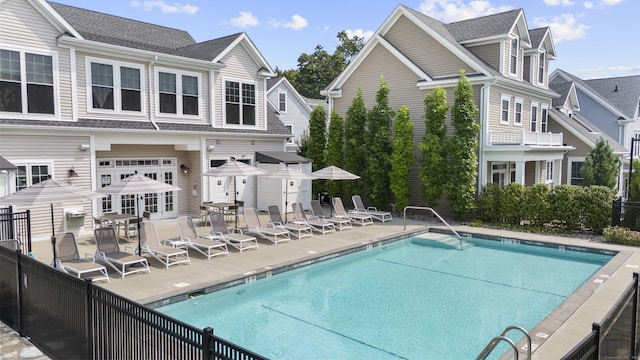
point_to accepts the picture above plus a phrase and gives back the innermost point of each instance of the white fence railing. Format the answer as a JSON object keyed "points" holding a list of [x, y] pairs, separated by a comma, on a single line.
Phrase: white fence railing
{"points": [[521, 137]]}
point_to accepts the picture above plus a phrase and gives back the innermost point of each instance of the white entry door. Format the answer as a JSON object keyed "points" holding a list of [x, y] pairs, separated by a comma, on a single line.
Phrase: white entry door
{"points": [[244, 187], [218, 186]]}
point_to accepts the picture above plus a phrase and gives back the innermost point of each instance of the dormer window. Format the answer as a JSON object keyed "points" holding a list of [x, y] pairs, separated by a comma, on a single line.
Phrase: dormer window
{"points": [[513, 60], [26, 82], [541, 66]]}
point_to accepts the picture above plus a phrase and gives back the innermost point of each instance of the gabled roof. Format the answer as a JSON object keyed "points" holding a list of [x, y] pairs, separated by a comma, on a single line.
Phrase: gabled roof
{"points": [[6, 164], [541, 39], [622, 92], [568, 95], [272, 84], [490, 27], [584, 130]]}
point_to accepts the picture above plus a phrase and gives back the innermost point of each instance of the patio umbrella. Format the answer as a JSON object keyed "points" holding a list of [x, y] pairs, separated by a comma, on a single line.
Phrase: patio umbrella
{"points": [[50, 192], [136, 185], [234, 168], [334, 173], [288, 173]]}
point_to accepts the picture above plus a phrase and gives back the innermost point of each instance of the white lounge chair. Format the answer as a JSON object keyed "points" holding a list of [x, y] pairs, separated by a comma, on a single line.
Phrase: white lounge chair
{"points": [[150, 244], [358, 218], [370, 210], [234, 237], [68, 260], [299, 230], [189, 237], [340, 223], [321, 225], [267, 232], [109, 251]]}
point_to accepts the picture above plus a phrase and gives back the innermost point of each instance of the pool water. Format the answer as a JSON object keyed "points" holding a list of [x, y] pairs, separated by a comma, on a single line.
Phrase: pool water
{"points": [[410, 299]]}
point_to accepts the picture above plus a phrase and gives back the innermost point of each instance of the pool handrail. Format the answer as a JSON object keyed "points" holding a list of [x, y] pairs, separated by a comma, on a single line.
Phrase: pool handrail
{"points": [[434, 213], [494, 342]]}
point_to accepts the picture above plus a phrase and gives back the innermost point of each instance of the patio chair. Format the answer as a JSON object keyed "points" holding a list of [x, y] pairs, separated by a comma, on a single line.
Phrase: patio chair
{"points": [[340, 223], [370, 210], [234, 237], [270, 233], [69, 261], [321, 225], [299, 230], [150, 244], [358, 218], [190, 239], [121, 261]]}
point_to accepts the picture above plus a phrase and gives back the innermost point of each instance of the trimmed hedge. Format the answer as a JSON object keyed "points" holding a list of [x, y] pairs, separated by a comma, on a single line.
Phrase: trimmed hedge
{"points": [[567, 207]]}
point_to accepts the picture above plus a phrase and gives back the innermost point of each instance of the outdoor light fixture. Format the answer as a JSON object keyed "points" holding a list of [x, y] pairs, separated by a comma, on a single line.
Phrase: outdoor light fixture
{"points": [[211, 147], [85, 147], [72, 173], [185, 169]]}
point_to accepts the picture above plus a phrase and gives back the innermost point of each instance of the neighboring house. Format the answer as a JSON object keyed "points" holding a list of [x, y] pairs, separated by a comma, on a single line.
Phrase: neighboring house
{"points": [[107, 96], [507, 64], [609, 105], [293, 109]]}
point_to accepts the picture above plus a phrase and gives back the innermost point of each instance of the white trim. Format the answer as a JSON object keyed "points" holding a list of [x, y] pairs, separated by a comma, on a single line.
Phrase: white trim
{"points": [[570, 161], [549, 174], [544, 120], [531, 112], [503, 98], [73, 77], [515, 111], [544, 67], [223, 97], [517, 56], [286, 105], [179, 106], [117, 87]]}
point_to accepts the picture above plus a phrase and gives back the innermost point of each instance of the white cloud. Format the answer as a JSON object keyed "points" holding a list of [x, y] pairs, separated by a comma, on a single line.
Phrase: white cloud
{"points": [[558, 2], [609, 71], [600, 4], [588, 5], [297, 23], [563, 27], [611, 2], [366, 35], [166, 8], [455, 10], [245, 19]]}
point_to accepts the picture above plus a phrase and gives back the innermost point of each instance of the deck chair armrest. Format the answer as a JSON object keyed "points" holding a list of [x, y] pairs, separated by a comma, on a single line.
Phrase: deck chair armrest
{"points": [[273, 225], [130, 249], [237, 231], [372, 208], [318, 217], [92, 256]]}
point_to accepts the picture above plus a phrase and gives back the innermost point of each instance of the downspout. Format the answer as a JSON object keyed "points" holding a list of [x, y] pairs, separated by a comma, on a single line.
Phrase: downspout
{"points": [[484, 131], [150, 94]]}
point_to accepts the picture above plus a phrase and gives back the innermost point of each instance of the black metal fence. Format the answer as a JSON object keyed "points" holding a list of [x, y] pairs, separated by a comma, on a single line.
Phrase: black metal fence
{"points": [[626, 213], [67, 317], [616, 336], [16, 226]]}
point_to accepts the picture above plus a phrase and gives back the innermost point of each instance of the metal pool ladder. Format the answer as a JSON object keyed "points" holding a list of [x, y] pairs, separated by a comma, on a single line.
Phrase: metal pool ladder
{"points": [[434, 213], [496, 340]]}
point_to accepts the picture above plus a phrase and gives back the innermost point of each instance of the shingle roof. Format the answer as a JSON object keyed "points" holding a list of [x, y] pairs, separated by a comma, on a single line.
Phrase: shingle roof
{"points": [[588, 129], [271, 82], [562, 89], [484, 26], [622, 92], [537, 35]]}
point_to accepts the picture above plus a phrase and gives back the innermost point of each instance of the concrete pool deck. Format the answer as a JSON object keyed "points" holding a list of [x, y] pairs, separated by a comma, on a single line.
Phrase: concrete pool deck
{"points": [[552, 338]]}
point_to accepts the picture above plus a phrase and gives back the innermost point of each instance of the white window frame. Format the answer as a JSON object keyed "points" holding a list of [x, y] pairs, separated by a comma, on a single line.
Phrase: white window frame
{"points": [[504, 98], [29, 164], [292, 138], [542, 56], [570, 161], [513, 58], [536, 106], [281, 102], [549, 171], [117, 86], [544, 119], [242, 124], [517, 115], [24, 113], [179, 105]]}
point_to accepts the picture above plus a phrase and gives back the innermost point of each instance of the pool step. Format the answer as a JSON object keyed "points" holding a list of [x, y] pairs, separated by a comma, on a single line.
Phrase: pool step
{"points": [[448, 240]]}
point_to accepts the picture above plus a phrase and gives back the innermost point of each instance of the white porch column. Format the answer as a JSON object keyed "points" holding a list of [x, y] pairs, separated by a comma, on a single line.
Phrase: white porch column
{"points": [[557, 173], [520, 172]]}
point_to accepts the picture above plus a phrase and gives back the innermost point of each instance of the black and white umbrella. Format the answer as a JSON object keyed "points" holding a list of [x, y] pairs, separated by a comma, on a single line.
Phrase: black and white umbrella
{"points": [[50, 192], [234, 168], [137, 185], [288, 173]]}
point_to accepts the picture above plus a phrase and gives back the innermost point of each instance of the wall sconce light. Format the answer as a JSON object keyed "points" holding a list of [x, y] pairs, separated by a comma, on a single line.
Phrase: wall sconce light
{"points": [[211, 147], [85, 147], [184, 168], [72, 173]]}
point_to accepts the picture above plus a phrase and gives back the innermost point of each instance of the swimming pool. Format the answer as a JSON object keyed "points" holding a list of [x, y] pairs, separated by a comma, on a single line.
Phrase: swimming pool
{"points": [[410, 299]]}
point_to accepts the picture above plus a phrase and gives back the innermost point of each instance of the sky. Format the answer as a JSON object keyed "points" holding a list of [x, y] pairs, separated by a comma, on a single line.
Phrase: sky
{"points": [[593, 39]]}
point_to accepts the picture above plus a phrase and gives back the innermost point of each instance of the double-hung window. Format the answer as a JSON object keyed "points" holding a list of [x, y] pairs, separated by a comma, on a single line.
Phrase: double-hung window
{"points": [[543, 120], [549, 171], [115, 86], [517, 112], [534, 117], [513, 56], [26, 82], [31, 174], [178, 93], [240, 103], [282, 102], [541, 67], [504, 109], [576, 176]]}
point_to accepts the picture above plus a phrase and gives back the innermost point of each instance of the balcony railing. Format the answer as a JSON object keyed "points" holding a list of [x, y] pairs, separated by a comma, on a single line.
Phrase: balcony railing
{"points": [[524, 138]]}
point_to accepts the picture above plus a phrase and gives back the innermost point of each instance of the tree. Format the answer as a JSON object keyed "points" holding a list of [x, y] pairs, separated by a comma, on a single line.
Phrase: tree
{"points": [[335, 150], [317, 142], [634, 185], [355, 159], [462, 147], [302, 147], [379, 148], [401, 157], [601, 166], [432, 169], [349, 47]]}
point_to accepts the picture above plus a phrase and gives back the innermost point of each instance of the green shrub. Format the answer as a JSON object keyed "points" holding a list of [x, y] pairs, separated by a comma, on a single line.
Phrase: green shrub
{"points": [[536, 206], [621, 235], [564, 207], [595, 204], [511, 202], [488, 204]]}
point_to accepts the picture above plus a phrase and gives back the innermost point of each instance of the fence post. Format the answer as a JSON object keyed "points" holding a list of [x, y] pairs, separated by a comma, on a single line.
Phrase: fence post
{"points": [[207, 343], [634, 316], [91, 342], [615, 212], [596, 327]]}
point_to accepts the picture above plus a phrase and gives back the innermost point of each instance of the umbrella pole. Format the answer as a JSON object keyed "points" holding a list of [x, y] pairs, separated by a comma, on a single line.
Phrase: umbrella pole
{"points": [[138, 225], [53, 236], [235, 200]]}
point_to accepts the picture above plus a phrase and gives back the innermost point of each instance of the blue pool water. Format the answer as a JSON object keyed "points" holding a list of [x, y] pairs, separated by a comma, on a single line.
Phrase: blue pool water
{"points": [[410, 299]]}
